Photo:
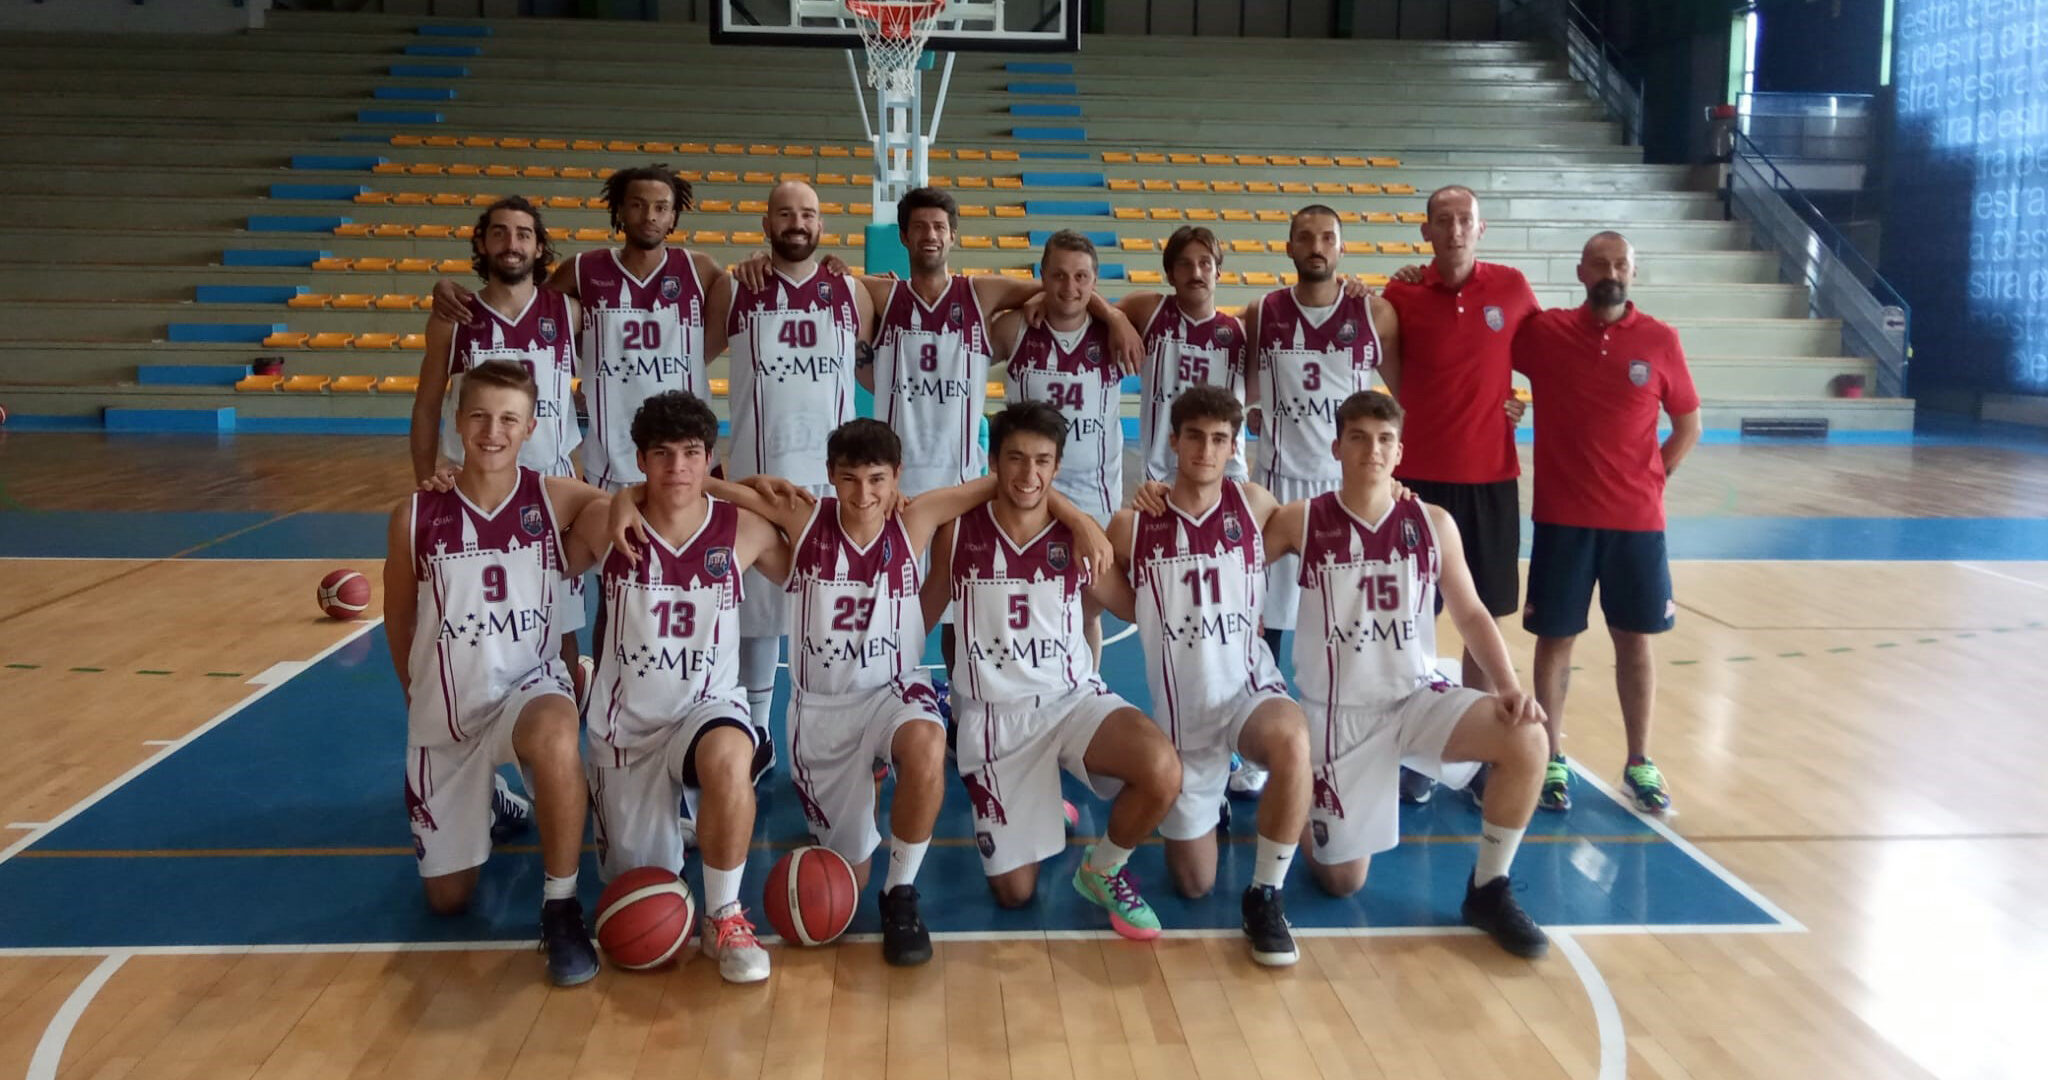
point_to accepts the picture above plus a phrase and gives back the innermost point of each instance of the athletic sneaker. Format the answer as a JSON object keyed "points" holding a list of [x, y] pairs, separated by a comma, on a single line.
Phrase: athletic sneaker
{"points": [[1070, 814], [1475, 789], [1557, 786], [905, 941], [511, 813], [1646, 786], [764, 754], [1246, 779], [1266, 926], [1117, 894], [585, 678], [728, 938], [1492, 907], [572, 959], [1416, 788]]}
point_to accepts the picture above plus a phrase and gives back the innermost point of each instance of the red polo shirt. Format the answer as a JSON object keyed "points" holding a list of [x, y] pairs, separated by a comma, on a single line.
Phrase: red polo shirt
{"points": [[1597, 388], [1456, 373]]}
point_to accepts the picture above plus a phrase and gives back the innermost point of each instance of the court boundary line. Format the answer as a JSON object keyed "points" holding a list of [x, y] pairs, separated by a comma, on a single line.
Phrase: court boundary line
{"points": [[1973, 566], [57, 1033], [1606, 1012]]}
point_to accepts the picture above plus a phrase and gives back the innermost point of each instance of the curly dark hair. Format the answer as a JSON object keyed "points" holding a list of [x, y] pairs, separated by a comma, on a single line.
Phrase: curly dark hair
{"points": [[926, 198], [862, 442], [674, 416], [1205, 402], [616, 185], [544, 258]]}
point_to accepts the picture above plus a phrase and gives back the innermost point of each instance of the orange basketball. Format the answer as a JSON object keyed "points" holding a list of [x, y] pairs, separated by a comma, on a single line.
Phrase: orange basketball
{"points": [[644, 918], [344, 594], [810, 896]]}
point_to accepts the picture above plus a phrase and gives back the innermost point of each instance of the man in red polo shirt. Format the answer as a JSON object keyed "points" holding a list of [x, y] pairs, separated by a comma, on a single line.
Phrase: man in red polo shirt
{"points": [[1602, 371], [1454, 378]]}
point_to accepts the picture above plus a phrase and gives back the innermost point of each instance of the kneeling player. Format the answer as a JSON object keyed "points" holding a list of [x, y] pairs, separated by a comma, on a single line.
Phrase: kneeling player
{"points": [[473, 596], [668, 718], [1365, 655], [1198, 566], [1025, 691]]}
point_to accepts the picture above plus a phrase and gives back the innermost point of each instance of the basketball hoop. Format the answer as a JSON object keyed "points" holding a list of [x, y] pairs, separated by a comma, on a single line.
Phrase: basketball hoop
{"points": [[894, 32]]}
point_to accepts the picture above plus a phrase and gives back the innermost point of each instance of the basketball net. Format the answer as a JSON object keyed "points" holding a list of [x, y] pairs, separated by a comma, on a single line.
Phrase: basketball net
{"points": [[894, 32]]}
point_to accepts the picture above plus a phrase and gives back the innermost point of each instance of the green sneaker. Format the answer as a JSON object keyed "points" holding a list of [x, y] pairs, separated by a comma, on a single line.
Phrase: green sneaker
{"points": [[1129, 914], [1556, 795], [1646, 786]]}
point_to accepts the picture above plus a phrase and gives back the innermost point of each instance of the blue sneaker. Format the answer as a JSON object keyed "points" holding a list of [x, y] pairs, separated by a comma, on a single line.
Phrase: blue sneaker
{"points": [[572, 959], [1646, 786]]}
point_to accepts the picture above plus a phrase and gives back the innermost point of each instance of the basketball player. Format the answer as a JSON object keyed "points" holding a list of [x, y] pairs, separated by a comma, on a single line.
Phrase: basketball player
{"points": [[668, 720], [1025, 690], [1365, 659], [1312, 346], [1454, 380], [1197, 565], [472, 590], [1599, 501], [519, 321]]}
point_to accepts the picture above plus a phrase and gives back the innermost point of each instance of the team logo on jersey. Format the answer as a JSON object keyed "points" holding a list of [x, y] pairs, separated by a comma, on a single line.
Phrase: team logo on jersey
{"points": [[718, 562], [532, 520], [1057, 556], [671, 287], [825, 291], [1322, 833], [986, 843], [1347, 333], [1639, 372], [955, 314], [1411, 537], [547, 330], [1326, 798], [986, 806], [1094, 352], [1494, 319], [1225, 337], [888, 548], [1233, 529]]}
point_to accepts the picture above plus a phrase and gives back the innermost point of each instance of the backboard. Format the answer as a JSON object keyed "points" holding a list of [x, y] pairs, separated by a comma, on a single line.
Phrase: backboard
{"points": [[966, 25]]}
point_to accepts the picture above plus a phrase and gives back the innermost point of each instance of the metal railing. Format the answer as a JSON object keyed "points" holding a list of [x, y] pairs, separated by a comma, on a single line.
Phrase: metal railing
{"points": [[1840, 282], [1810, 127], [1588, 57]]}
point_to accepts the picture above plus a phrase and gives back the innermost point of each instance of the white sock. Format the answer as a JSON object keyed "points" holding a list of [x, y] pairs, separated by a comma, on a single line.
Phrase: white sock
{"points": [[557, 888], [905, 858], [721, 887], [1107, 858], [1497, 846], [1270, 867]]}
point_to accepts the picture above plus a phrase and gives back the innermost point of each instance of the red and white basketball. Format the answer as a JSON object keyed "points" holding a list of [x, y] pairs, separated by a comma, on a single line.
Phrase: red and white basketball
{"points": [[644, 918], [344, 594], [810, 896]]}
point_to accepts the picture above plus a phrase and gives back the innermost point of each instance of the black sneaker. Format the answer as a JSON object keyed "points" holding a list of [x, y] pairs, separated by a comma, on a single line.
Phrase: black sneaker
{"points": [[764, 754], [572, 959], [905, 941], [511, 813], [1492, 908], [1416, 788], [1265, 925]]}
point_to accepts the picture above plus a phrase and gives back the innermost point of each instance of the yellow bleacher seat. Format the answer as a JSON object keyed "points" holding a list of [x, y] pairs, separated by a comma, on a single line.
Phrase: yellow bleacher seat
{"points": [[1013, 243], [1284, 160], [605, 173], [352, 228], [715, 206], [1145, 277], [500, 170], [376, 341], [1009, 211], [1248, 247], [1164, 213], [721, 176], [1115, 157], [258, 383], [970, 155], [576, 172], [1397, 248], [372, 198], [447, 198], [972, 181], [1423, 247], [1400, 189], [1296, 187], [1384, 162], [398, 302], [1318, 161], [289, 339], [794, 177], [755, 176], [391, 230], [1251, 159], [440, 140], [1151, 158], [1226, 187], [727, 148], [1365, 189], [1184, 159], [332, 263], [1004, 155], [708, 236], [833, 178], [1352, 162], [1124, 185], [376, 265], [305, 384], [1009, 181], [414, 266], [538, 172], [721, 387], [866, 209], [976, 271], [1126, 213], [834, 151], [350, 301], [1358, 247], [830, 239], [1190, 185], [513, 143], [748, 238], [414, 340], [1135, 243], [1201, 213], [440, 232], [942, 181], [462, 232], [1261, 187], [478, 141], [309, 300], [1021, 273], [405, 140], [550, 144], [692, 175], [1374, 280], [398, 384], [939, 153], [977, 243], [353, 384], [829, 208], [752, 206], [996, 391], [1412, 217], [465, 169], [1156, 185], [1216, 159], [1289, 278], [1350, 217], [1229, 277], [1271, 216], [1277, 247], [595, 202], [974, 210], [856, 240], [861, 179], [1381, 217], [388, 167], [1238, 215], [1327, 187], [1260, 277], [763, 150], [799, 151], [564, 202]]}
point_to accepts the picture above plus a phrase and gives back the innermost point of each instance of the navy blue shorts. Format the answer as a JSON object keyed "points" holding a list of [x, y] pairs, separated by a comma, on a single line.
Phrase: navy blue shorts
{"points": [[1566, 561]]}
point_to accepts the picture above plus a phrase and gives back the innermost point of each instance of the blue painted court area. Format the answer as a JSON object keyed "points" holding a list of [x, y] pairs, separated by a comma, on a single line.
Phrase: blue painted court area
{"points": [[284, 825]]}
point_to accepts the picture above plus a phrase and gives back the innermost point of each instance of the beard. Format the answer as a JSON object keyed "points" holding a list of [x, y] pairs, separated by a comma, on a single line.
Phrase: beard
{"points": [[794, 246], [645, 238], [1608, 293], [511, 275], [932, 263], [1313, 275]]}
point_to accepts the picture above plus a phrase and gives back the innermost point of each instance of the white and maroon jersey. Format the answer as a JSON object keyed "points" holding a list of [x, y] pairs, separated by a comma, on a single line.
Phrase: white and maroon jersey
{"points": [[792, 373], [855, 623], [640, 338], [1201, 584], [1306, 370], [672, 635], [543, 341], [1366, 632], [1018, 626], [1077, 377], [488, 585], [931, 383], [1181, 352]]}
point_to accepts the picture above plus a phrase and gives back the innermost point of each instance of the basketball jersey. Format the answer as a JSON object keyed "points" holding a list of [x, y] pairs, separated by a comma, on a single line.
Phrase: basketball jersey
{"points": [[855, 622], [931, 382], [640, 338], [1181, 352], [671, 637], [1305, 371], [1366, 632], [792, 373], [488, 582], [1017, 618], [1085, 385], [541, 341], [1201, 584]]}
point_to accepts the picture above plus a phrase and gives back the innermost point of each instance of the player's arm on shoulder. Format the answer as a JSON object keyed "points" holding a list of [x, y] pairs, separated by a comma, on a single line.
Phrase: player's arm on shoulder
{"points": [[1004, 334], [788, 510], [1283, 530], [1090, 542], [1261, 503], [1111, 586], [761, 547], [864, 304], [938, 581], [1387, 324], [424, 436], [1000, 294], [1140, 306], [570, 495], [563, 278], [1125, 343], [589, 537], [926, 513], [401, 593]]}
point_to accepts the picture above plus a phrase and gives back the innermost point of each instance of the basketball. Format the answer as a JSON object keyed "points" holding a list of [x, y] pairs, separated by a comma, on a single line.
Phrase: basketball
{"points": [[810, 896], [344, 594], [644, 918]]}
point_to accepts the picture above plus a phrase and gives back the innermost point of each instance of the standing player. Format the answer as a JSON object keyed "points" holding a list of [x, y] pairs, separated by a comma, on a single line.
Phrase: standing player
{"points": [[667, 718], [1188, 343], [1365, 659], [1599, 511], [1454, 379], [472, 584], [1198, 566], [1025, 691]]}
